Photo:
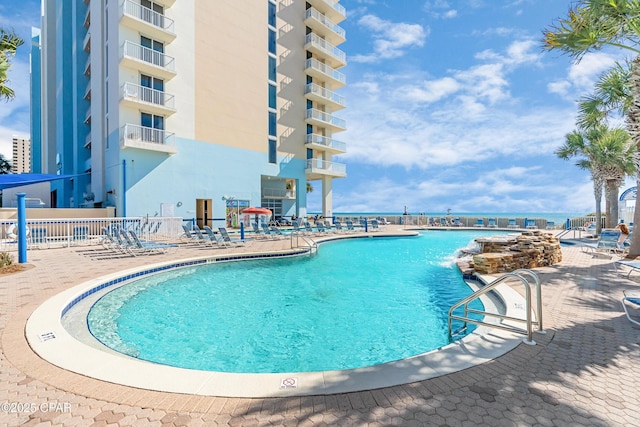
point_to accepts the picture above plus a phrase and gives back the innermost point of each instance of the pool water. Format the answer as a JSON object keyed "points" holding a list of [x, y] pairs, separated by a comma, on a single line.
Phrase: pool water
{"points": [[358, 302]]}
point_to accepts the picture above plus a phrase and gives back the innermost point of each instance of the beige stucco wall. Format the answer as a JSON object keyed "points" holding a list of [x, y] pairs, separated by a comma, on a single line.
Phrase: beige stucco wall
{"points": [[231, 85]]}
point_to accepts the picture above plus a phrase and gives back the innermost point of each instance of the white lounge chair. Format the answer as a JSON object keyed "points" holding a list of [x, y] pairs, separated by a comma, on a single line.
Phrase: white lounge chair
{"points": [[631, 301]]}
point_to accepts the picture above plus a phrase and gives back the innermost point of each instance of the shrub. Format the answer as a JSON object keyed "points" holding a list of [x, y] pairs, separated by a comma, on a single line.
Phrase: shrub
{"points": [[5, 259]]}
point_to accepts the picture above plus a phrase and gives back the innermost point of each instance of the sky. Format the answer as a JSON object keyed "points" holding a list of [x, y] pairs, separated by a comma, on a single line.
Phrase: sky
{"points": [[451, 104]]}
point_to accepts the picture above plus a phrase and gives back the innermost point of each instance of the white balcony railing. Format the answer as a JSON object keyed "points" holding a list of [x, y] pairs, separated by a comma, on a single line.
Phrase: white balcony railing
{"points": [[136, 134], [320, 166], [87, 141], [145, 14], [146, 94], [314, 64], [327, 118], [335, 5], [315, 41], [325, 93], [326, 22], [316, 139], [335, 11], [151, 56], [86, 43]]}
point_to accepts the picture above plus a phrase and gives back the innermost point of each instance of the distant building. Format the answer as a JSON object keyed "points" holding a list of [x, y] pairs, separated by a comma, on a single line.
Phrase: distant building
{"points": [[21, 155], [189, 107]]}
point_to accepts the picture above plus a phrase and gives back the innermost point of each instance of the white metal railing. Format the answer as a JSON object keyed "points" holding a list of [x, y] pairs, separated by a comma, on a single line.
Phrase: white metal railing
{"points": [[325, 93], [151, 56], [324, 165], [87, 67], [87, 140], [87, 117], [147, 134], [336, 6], [145, 14], [86, 42], [326, 47], [325, 69], [314, 138], [528, 321], [322, 116], [65, 232], [147, 94], [278, 192], [315, 14]]}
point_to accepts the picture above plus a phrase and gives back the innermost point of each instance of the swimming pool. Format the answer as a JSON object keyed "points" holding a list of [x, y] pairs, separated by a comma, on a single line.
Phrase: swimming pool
{"points": [[359, 302]]}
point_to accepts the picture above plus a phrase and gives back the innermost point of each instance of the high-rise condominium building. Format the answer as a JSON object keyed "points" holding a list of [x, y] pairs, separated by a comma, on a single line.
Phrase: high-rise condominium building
{"points": [[21, 155], [189, 108]]}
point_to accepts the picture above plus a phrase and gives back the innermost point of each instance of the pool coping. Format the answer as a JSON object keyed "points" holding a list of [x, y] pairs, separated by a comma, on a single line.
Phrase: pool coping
{"points": [[52, 342]]}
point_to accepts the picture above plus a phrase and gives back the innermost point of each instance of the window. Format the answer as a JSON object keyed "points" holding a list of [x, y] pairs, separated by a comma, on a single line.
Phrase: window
{"points": [[272, 14], [149, 54], [272, 68], [273, 157], [272, 41], [148, 15], [272, 123], [152, 128], [155, 96], [272, 96]]}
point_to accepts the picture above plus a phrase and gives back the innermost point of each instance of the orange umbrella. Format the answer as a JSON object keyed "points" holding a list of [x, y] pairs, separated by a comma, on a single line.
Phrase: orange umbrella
{"points": [[257, 211]]}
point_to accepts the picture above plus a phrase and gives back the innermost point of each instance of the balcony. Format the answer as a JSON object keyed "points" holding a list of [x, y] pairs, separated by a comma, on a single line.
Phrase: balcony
{"points": [[87, 117], [148, 60], [87, 141], [331, 8], [87, 67], [323, 26], [87, 18], [332, 78], [86, 43], [325, 120], [87, 92], [147, 21], [87, 165], [324, 96], [278, 193], [319, 46], [322, 143], [317, 168], [151, 100], [145, 138]]}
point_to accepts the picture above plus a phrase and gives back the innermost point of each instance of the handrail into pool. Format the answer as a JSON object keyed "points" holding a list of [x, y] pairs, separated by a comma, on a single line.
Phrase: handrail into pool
{"points": [[313, 246], [518, 274]]}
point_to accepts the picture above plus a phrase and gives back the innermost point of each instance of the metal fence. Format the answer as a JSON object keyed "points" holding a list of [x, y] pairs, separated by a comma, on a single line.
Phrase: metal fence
{"points": [[51, 233]]}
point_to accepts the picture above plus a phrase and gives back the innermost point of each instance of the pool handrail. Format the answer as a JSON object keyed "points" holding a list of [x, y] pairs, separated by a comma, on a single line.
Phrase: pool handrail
{"points": [[518, 274]]}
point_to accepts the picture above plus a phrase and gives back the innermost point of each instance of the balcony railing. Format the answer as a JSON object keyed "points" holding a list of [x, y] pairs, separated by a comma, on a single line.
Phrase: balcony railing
{"points": [[277, 193], [146, 94], [148, 138], [314, 41], [315, 139], [87, 141], [151, 56], [326, 118], [331, 8], [145, 14], [86, 43], [339, 33], [313, 66], [325, 94], [323, 166]]}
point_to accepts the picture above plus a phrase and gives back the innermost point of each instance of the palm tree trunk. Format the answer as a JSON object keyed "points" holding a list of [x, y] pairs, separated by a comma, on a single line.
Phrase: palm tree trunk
{"points": [[597, 191], [607, 204], [633, 127]]}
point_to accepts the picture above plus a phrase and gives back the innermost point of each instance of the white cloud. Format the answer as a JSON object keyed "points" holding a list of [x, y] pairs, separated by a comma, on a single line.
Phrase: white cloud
{"points": [[390, 39], [582, 75]]}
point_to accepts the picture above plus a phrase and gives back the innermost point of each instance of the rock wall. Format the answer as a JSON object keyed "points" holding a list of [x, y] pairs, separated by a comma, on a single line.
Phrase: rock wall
{"points": [[502, 254]]}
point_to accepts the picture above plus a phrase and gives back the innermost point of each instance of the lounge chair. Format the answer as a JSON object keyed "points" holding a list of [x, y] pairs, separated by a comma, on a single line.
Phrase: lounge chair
{"points": [[202, 239], [512, 224], [631, 301], [227, 240], [479, 223], [632, 265], [375, 225], [188, 235], [350, 226], [530, 224], [607, 243], [141, 246], [38, 238], [338, 226], [321, 228], [551, 225], [212, 236], [492, 223]]}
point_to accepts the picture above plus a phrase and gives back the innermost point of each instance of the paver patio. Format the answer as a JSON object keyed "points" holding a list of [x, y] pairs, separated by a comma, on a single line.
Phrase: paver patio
{"points": [[584, 371]]}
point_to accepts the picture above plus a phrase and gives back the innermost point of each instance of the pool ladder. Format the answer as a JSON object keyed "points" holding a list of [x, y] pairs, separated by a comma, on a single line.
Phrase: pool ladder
{"points": [[313, 246], [521, 275]]}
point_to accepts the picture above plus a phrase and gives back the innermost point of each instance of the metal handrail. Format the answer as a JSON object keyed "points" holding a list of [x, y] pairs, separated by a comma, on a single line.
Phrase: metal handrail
{"points": [[313, 246], [518, 274]]}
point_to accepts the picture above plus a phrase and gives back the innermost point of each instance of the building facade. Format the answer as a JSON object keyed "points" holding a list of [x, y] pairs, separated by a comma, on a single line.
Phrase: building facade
{"points": [[21, 155], [188, 108]]}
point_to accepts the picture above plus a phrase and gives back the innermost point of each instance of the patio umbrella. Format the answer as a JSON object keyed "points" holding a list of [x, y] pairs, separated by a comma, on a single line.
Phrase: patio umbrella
{"points": [[256, 211]]}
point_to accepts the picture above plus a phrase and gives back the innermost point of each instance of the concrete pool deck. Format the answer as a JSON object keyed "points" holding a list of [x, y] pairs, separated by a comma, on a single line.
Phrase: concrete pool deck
{"points": [[584, 371]]}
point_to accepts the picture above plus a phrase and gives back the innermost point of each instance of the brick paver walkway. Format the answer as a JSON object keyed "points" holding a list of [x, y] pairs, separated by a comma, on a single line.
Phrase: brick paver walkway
{"points": [[585, 371]]}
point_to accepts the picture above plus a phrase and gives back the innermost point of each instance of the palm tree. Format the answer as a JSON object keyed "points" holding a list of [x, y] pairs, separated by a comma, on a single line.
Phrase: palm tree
{"points": [[309, 187], [607, 154], [591, 25], [9, 42], [5, 166]]}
